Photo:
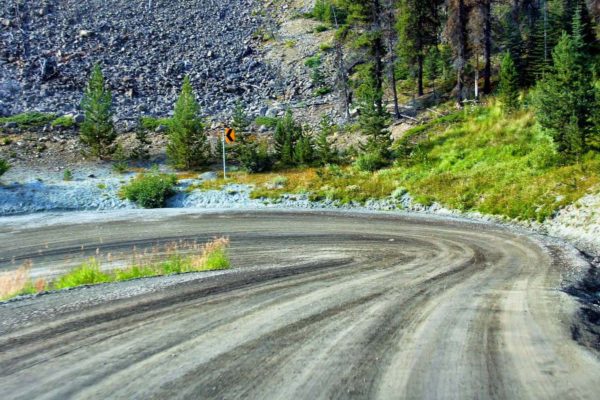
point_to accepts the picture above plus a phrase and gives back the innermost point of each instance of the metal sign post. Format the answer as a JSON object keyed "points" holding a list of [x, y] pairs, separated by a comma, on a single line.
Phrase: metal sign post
{"points": [[224, 157], [228, 137]]}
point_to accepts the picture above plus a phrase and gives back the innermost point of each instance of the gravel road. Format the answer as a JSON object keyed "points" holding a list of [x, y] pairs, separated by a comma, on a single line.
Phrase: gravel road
{"points": [[319, 306]]}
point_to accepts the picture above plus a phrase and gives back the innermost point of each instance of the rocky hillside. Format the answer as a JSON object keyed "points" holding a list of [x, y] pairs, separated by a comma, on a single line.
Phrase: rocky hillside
{"points": [[145, 47]]}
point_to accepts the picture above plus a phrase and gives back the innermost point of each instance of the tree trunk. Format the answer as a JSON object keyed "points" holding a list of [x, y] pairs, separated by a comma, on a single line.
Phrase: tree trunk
{"points": [[378, 53], [420, 90], [487, 47], [462, 48]]}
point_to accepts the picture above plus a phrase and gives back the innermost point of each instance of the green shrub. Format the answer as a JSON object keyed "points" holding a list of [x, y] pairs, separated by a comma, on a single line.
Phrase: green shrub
{"points": [[271, 122], [67, 175], [150, 190], [120, 165], [322, 91], [66, 121], [329, 11], [370, 162], [151, 123], [325, 47], [4, 166], [29, 119], [321, 28]]}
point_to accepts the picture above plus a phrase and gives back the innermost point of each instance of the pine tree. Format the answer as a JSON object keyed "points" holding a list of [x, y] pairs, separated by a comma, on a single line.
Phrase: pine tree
{"points": [[418, 26], [4, 166], [323, 150], [287, 134], [141, 151], [98, 131], [456, 31], [188, 145], [373, 121], [303, 152], [508, 90], [240, 122], [566, 100]]}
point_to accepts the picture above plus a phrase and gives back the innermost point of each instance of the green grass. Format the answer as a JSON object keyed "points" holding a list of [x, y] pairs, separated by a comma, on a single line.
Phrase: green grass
{"points": [[29, 119], [180, 259], [495, 164], [88, 273]]}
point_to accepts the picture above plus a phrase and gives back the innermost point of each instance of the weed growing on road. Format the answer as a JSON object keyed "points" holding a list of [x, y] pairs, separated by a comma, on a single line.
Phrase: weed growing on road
{"points": [[173, 258], [88, 273]]}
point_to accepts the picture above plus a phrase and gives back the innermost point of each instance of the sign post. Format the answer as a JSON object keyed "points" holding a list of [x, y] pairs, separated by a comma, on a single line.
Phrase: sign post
{"points": [[228, 137]]}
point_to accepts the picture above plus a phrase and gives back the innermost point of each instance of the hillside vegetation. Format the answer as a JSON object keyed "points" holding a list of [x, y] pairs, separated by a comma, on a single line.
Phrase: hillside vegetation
{"points": [[473, 160]]}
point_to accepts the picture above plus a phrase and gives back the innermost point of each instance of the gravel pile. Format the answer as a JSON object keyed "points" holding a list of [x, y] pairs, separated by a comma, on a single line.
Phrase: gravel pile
{"points": [[145, 47]]}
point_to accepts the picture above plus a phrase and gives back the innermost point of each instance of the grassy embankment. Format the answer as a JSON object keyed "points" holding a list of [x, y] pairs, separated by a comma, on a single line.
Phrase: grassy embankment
{"points": [[480, 160], [174, 258]]}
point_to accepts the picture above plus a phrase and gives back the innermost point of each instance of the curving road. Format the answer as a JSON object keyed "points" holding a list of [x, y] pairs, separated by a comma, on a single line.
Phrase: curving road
{"points": [[320, 306]]}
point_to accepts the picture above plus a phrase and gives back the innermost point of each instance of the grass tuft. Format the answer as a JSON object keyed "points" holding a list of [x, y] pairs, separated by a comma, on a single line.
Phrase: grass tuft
{"points": [[174, 258]]}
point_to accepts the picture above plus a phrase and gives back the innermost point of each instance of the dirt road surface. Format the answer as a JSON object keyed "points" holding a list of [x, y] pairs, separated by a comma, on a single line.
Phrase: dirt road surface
{"points": [[319, 306]]}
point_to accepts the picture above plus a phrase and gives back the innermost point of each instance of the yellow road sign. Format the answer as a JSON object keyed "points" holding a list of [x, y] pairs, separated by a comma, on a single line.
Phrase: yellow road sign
{"points": [[229, 135]]}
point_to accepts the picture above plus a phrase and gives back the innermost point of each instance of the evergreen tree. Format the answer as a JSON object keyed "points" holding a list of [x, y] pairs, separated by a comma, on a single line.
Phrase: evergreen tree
{"points": [[240, 122], [303, 152], [141, 151], [323, 150], [287, 134], [254, 156], [373, 121], [188, 145], [418, 26], [566, 100], [98, 131], [456, 31], [4, 166], [508, 90]]}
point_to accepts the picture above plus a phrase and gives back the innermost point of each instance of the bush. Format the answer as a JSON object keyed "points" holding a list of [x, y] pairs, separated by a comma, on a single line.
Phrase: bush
{"points": [[66, 121], [67, 175], [271, 122], [151, 123], [328, 11], [98, 131], [4, 166], [29, 119], [120, 165], [370, 162], [150, 190]]}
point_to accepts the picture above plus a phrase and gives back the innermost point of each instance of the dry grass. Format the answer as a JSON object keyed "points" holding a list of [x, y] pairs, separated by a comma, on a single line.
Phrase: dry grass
{"points": [[13, 283], [171, 258]]}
